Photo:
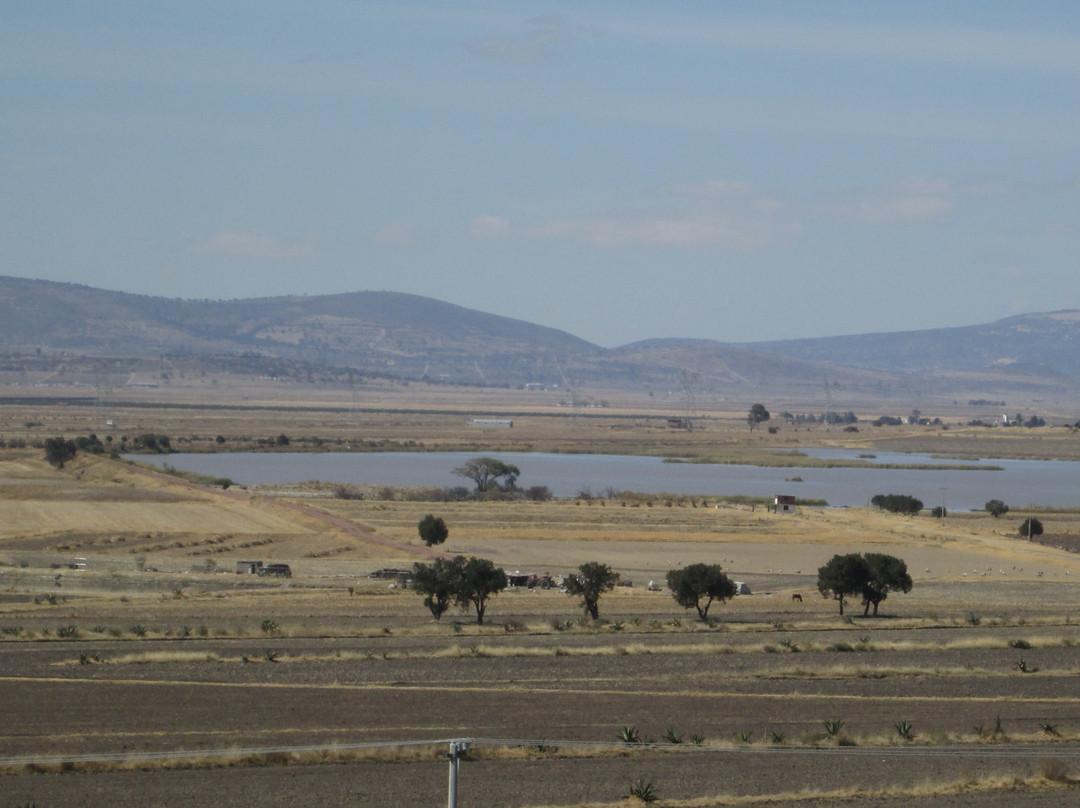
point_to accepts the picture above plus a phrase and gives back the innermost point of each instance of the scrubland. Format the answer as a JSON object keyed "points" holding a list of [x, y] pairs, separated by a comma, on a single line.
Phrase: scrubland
{"points": [[157, 675]]}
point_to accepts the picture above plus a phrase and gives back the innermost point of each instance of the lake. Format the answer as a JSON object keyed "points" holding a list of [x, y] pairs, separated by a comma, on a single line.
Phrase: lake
{"points": [[1049, 483]]}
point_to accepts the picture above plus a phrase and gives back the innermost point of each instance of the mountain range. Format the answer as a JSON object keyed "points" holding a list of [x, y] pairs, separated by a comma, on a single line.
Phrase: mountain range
{"points": [[413, 337]]}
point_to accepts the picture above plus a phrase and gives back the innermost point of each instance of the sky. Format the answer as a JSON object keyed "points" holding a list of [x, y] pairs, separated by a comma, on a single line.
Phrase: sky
{"points": [[737, 171]]}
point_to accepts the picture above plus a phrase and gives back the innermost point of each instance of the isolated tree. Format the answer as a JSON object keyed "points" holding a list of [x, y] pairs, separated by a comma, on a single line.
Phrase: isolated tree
{"points": [[897, 503], [438, 582], [758, 414], [591, 581], [486, 472], [885, 574], [480, 579], [1031, 527], [996, 508], [58, 451], [696, 582], [433, 530], [844, 576]]}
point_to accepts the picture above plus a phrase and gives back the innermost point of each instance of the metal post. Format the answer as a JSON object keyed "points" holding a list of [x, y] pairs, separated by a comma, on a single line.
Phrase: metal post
{"points": [[457, 750]]}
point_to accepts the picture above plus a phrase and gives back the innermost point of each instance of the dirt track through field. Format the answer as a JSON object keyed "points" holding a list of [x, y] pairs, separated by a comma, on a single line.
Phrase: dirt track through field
{"points": [[340, 524]]}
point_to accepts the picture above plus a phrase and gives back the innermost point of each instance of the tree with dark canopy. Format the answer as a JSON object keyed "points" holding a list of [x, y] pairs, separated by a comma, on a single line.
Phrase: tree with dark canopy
{"points": [[590, 582], [757, 415], [433, 530], [485, 472], [58, 451], [885, 574], [438, 582], [694, 582], [897, 503], [1031, 527], [480, 579], [844, 576]]}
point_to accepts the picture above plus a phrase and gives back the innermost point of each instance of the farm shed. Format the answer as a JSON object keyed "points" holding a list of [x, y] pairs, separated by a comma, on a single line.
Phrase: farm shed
{"points": [[784, 503]]}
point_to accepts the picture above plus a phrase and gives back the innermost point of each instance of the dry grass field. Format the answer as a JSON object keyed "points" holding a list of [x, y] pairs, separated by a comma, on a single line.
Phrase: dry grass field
{"points": [[153, 677]]}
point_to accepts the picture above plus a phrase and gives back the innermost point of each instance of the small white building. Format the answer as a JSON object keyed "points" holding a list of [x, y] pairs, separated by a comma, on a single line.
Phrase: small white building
{"points": [[784, 503]]}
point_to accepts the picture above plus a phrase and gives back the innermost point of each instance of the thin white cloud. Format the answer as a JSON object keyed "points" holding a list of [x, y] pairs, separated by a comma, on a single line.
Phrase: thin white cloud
{"points": [[714, 214], [399, 234], [489, 227], [907, 200], [721, 231], [903, 209], [540, 42], [247, 245], [919, 44]]}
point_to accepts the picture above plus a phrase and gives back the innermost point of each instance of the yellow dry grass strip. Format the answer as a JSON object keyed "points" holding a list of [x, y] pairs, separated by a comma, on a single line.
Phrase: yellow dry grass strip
{"points": [[637, 649], [488, 688], [983, 785]]}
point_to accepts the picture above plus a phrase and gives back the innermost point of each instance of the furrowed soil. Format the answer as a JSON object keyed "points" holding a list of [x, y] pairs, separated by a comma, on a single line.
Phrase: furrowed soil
{"points": [[156, 675]]}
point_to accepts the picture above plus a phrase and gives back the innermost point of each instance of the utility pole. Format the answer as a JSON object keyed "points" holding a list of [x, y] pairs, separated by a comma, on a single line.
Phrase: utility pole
{"points": [[943, 490], [458, 749]]}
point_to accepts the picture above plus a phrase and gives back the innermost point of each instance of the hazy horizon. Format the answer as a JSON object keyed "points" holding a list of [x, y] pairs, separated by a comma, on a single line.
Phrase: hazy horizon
{"points": [[751, 171]]}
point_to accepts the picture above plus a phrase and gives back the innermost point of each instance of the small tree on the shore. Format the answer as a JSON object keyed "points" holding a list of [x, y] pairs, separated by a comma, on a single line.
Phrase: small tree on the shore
{"points": [[693, 583], [757, 415], [590, 582], [897, 503], [486, 472], [996, 508], [433, 530]]}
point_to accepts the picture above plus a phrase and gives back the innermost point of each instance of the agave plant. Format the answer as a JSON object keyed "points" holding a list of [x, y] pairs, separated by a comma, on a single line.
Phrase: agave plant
{"points": [[646, 792], [832, 727]]}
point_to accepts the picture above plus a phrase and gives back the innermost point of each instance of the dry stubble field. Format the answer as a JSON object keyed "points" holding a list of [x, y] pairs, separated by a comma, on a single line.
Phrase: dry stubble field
{"points": [[117, 661]]}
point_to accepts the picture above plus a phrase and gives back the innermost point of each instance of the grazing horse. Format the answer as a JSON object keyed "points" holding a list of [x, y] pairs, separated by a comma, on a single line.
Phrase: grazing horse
{"points": [[796, 597]]}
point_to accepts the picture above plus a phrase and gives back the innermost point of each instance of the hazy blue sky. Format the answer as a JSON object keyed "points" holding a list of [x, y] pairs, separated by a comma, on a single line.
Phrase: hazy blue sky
{"points": [[621, 170]]}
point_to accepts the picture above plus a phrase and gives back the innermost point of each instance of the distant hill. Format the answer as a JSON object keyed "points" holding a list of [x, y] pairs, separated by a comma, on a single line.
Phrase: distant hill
{"points": [[378, 332], [1041, 343], [414, 337]]}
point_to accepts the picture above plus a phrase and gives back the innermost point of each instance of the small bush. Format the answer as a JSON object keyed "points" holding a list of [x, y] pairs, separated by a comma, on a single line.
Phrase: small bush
{"points": [[1054, 770], [833, 727], [67, 632], [139, 630], [629, 734], [646, 792]]}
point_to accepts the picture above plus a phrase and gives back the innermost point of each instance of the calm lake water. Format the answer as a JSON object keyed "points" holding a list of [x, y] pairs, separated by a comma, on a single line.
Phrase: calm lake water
{"points": [[1050, 483]]}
